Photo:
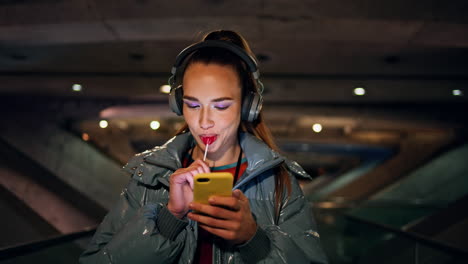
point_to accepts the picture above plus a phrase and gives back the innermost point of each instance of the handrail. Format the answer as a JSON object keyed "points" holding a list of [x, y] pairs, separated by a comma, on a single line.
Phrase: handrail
{"points": [[26, 248], [414, 236]]}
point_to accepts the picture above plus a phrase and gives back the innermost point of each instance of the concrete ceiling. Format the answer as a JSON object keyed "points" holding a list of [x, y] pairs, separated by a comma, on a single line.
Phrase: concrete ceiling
{"points": [[400, 50], [409, 55]]}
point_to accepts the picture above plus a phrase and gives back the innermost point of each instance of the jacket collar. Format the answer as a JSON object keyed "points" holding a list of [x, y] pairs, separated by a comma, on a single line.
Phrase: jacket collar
{"points": [[259, 156], [170, 154]]}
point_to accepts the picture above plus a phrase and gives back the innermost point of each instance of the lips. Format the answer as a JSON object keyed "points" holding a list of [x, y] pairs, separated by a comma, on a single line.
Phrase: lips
{"points": [[208, 139]]}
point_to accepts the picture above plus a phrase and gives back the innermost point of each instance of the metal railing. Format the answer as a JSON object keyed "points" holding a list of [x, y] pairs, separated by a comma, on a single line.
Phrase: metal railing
{"points": [[375, 234], [417, 238], [31, 247]]}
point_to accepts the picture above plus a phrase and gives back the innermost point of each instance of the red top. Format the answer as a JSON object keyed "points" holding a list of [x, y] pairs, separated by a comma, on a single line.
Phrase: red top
{"points": [[204, 253]]}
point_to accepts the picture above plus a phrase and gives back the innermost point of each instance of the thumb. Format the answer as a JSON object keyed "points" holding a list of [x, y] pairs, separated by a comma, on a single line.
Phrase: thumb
{"points": [[239, 195]]}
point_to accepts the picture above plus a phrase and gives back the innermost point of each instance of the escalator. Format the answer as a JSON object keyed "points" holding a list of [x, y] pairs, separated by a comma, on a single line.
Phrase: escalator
{"points": [[417, 217], [354, 240], [420, 218]]}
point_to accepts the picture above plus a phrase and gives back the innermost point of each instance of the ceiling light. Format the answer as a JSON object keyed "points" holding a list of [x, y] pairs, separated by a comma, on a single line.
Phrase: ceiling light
{"points": [[457, 92], [359, 91], [77, 87], [103, 123], [165, 89], [155, 125], [85, 136], [317, 128], [122, 124]]}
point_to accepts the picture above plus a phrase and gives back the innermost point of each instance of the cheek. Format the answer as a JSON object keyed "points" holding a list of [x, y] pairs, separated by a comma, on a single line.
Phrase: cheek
{"points": [[231, 118], [189, 117]]}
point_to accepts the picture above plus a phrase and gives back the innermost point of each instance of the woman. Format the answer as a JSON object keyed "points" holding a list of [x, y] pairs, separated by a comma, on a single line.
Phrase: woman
{"points": [[267, 218]]}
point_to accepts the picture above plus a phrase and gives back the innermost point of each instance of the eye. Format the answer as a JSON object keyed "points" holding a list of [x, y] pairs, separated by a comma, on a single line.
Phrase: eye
{"points": [[191, 104], [222, 106]]}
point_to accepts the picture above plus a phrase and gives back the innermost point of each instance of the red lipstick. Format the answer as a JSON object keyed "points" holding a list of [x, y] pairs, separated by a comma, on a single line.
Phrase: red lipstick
{"points": [[208, 140]]}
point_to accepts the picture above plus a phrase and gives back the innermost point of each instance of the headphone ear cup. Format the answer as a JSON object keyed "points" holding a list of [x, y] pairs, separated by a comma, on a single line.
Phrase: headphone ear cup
{"points": [[175, 100], [251, 107]]}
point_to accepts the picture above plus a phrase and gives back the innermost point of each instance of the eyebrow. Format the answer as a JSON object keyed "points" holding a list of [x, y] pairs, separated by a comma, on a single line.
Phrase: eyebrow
{"points": [[190, 98]]}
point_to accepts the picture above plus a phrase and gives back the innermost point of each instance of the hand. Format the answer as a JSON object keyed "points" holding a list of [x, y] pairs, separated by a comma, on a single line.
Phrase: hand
{"points": [[227, 217], [181, 187]]}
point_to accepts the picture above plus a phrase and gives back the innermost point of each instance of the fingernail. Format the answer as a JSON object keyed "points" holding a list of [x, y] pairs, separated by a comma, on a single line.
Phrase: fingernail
{"points": [[211, 200]]}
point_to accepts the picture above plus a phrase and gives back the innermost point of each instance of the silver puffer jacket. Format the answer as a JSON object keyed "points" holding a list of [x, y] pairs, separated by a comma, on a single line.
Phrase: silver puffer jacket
{"points": [[140, 229]]}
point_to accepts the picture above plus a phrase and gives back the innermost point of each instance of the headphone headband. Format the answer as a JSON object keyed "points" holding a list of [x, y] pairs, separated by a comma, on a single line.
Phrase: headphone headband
{"points": [[247, 58]]}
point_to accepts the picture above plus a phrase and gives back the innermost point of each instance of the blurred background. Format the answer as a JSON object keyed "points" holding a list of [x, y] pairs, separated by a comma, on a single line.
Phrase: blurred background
{"points": [[370, 97]]}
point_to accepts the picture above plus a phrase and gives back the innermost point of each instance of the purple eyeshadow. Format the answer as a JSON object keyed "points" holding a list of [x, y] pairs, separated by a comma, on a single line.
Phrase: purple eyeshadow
{"points": [[222, 105], [191, 104]]}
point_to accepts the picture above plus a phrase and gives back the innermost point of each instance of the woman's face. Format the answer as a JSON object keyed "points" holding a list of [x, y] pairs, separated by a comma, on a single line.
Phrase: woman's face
{"points": [[212, 105]]}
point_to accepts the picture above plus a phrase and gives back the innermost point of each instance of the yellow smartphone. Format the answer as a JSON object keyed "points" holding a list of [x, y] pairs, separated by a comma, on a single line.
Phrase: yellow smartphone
{"points": [[214, 183]]}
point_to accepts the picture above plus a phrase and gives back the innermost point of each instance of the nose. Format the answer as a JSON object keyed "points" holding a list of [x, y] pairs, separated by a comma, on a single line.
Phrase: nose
{"points": [[206, 121]]}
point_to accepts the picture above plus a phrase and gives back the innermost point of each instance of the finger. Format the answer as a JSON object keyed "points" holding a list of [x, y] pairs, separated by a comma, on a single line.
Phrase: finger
{"points": [[180, 177], [193, 167], [193, 172], [227, 202], [240, 195], [200, 170], [236, 194], [214, 222], [190, 181], [213, 211], [204, 165], [196, 167], [222, 233]]}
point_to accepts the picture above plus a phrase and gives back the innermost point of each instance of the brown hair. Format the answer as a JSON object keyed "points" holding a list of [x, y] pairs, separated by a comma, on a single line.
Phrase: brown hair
{"points": [[258, 128]]}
